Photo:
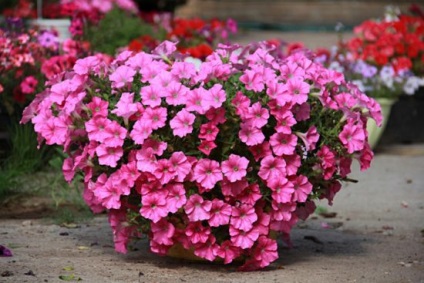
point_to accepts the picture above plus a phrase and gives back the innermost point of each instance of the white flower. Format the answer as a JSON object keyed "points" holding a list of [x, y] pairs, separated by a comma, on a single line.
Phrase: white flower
{"points": [[360, 85], [412, 84], [196, 62], [336, 67], [386, 74]]}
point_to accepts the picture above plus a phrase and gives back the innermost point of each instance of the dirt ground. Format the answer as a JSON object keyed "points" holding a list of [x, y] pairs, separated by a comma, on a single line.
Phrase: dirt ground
{"points": [[376, 234]]}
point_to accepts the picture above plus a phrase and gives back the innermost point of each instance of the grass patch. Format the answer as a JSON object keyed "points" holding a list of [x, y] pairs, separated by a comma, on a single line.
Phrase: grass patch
{"points": [[23, 158], [28, 171]]}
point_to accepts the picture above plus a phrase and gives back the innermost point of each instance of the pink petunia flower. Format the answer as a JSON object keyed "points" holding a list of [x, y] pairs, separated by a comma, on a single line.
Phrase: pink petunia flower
{"points": [[284, 227], [282, 190], [108, 195], [283, 144], [365, 157], [96, 128], [256, 115], [181, 165], [28, 85], [175, 93], [304, 211], [122, 233], [220, 213], [265, 251], [206, 146], [235, 167], [252, 80], [243, 217], [141, 131], [259, 151], [197, 209], [207, 173], [216, 96], [183, 70], [216, 115], [150, 95], [298, 89], [293, 163], [122, 76], [233, 188], [129, 172], [208, 131], [250, 135], [302, 112], [84, 65], [250, 195], [176, 197], [228, 251], [208, 249], [115, 134], [158, 248], [164, 171], [272, 168], [125, 107], [182, 123], [352, 137], [310, 138], [109, 155], [243, 239], [282, 211], [146, 160], [302, 188], [240, 103], [156, 117], [162, 232], [328, 161], [285, 123], [153, 207], [158, 147], [98, 107], [197, 233], [196, 101]]}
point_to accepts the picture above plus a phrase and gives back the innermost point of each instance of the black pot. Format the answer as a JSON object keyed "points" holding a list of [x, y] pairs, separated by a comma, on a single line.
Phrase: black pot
{"points": [[406, 121], [159, 5]]}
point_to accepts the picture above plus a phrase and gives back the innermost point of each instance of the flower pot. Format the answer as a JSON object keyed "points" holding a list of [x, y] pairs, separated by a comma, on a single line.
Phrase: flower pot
{"points": [[60, 25], [220, 187], [375, 132], [405, 124]]}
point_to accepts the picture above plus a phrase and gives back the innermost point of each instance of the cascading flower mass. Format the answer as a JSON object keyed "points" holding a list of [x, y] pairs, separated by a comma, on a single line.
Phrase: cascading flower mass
{"points": [[215, 157]]}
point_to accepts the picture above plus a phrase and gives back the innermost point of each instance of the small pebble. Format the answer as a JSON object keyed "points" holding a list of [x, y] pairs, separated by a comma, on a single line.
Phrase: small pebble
{"points": [[29, 273], [27, 223], [64, 234], [6, 273]]}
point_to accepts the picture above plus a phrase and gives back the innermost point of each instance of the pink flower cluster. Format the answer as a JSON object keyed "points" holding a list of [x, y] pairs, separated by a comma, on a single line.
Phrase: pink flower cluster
{"points": [[218, 158], [28, 58]]}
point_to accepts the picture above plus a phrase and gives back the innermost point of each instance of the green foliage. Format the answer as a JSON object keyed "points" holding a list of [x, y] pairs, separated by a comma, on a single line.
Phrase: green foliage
{"points": [[116, 30], [61, 191], [23, 157]]}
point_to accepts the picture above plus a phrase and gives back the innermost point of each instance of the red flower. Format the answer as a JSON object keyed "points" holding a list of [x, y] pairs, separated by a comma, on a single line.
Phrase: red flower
{"points": [[402, 63], [397, 42]]}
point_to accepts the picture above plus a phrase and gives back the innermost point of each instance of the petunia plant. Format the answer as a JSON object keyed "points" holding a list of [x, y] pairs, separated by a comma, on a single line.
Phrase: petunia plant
{"points": [[216, 158], [385, 58], [28, 56]]}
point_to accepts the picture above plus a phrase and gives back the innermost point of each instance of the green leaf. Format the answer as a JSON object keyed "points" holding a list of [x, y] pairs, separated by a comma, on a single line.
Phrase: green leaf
{"points": [[70, 277]]}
